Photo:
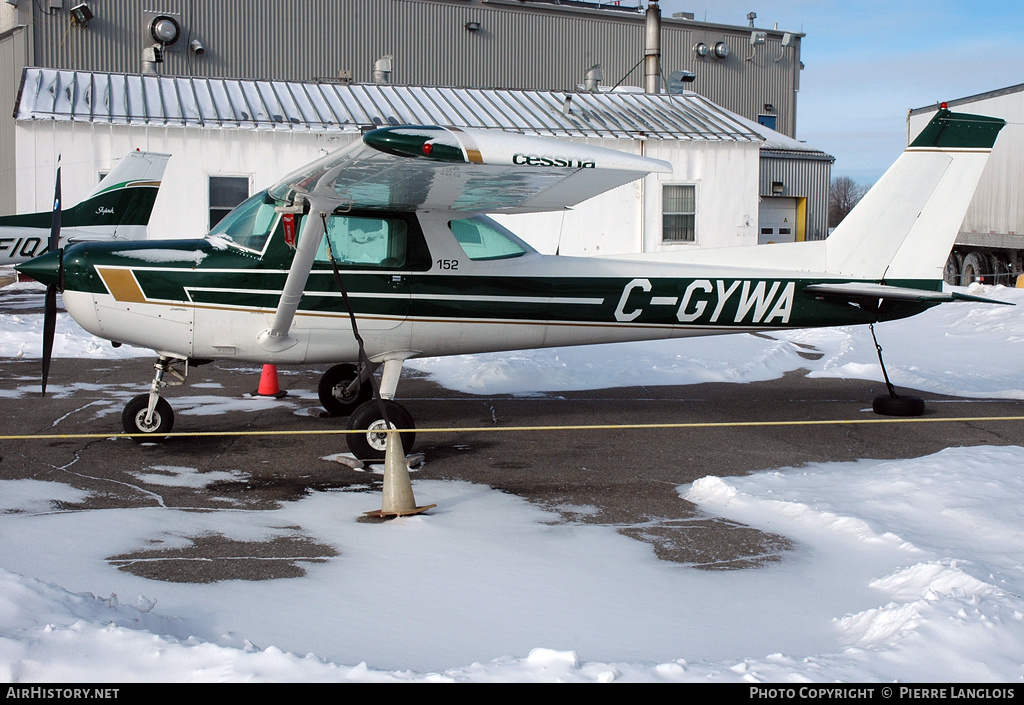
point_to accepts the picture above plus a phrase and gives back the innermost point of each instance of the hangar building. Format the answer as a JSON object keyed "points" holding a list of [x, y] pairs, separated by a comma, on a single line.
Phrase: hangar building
{"points": [[527, 48]]}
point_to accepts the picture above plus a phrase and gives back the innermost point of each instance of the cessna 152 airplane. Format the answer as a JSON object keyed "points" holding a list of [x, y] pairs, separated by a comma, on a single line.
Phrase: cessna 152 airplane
{"points": [[117, 209], [380, 252]]}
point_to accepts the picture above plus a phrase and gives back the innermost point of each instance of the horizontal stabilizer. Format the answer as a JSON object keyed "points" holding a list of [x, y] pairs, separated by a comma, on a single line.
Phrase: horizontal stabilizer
{"points": [[854, 291]]}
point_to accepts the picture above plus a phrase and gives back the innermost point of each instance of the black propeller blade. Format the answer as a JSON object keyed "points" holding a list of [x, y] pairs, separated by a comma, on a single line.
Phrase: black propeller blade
{"points": [[50, 308]]}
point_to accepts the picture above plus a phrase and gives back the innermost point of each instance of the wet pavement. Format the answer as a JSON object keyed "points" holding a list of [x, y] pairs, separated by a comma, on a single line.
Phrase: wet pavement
{"points": [[622, 477]]}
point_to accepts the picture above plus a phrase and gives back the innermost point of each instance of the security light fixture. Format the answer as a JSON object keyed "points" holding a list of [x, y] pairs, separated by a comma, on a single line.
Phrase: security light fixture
{"points": [[769, 108], [12, 2], [81, 14], [165, 30], [777, 188], [473, 26]]}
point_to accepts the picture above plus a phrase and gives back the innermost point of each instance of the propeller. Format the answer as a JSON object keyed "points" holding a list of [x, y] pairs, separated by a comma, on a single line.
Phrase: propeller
{"points": [[50, 306]]}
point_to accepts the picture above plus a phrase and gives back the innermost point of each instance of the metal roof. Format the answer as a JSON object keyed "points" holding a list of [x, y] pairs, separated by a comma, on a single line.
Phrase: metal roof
{"points": [[189, 101]]}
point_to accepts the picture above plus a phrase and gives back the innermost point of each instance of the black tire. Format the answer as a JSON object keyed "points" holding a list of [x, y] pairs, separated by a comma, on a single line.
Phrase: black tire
{"points": [[370, 445], [1000, 269], [332, 390], [974, 268], [898, 406], [133, 418], [951, 272]]}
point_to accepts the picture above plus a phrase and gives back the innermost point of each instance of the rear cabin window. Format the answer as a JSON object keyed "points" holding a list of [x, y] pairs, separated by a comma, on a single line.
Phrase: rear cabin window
{"points": [[482, 239], [357, 241]]}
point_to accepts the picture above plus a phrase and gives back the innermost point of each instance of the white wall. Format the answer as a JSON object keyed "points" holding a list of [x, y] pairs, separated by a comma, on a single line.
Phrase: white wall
{"points": [[182, 207], [725, 173], [726, 176]]}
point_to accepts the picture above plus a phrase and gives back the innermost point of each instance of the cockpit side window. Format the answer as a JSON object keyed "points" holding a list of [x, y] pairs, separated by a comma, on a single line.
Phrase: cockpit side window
{"points": [[483, 239], [358, 241], [250, 224]]}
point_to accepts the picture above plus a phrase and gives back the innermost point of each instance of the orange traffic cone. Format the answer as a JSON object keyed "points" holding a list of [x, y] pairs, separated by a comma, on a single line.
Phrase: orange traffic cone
{"points": [[268, 383]]}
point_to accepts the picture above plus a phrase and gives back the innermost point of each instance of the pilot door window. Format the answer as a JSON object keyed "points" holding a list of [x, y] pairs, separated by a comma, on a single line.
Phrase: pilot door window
{"points": [[358, 242]]}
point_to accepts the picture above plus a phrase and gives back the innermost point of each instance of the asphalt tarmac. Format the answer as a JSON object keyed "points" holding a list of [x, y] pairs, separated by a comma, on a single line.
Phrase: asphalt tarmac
{"points": [[625, 478]]}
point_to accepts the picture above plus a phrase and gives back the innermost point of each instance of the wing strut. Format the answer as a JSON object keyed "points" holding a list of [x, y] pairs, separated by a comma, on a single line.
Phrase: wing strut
{"points": [[276, 339]]}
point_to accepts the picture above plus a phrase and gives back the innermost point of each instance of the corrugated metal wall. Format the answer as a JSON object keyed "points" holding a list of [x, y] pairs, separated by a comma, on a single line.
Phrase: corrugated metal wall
{"points": [[13, 56], [528, 46], [801, 178], [518, 45]]}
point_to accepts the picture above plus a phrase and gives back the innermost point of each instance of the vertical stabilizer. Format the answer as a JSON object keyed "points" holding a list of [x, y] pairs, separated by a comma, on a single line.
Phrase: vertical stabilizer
{"points": [[120, 205], [905, 226]]}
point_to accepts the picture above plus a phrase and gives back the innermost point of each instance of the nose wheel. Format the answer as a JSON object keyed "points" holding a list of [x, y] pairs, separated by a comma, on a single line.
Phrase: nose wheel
{"points": [[150, 414], [137, 418]]}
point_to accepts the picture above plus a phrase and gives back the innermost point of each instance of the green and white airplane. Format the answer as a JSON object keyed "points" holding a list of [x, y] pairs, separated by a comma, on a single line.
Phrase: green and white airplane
{"points": [[382, 252], [117, 209]]}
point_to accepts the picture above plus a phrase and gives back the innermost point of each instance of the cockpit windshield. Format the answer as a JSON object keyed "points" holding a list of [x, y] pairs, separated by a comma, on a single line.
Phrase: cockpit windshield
{"points": [[250, 224]]}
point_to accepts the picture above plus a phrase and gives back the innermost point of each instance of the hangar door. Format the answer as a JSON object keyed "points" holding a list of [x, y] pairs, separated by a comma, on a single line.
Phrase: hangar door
{"points": [[778, 220]]}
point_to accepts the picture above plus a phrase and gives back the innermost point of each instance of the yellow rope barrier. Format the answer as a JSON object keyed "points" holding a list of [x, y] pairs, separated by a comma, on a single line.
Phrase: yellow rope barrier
{"points": [[505, 429]]}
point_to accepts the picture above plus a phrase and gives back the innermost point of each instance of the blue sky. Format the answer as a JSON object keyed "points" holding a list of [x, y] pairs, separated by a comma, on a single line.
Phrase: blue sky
{"points": [[868, 62]]}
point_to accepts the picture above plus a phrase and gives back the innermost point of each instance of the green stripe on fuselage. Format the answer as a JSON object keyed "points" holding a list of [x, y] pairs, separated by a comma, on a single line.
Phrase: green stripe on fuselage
{"points": [[732, 303]]}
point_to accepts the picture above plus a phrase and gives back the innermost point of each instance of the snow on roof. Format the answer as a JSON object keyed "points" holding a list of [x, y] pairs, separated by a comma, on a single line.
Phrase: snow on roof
{"points": [[228, 103], [777, 142]]}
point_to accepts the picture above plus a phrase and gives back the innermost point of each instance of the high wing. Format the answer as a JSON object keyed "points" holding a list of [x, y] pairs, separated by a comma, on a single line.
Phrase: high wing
{"points": [[420, 167], [424, 167]]}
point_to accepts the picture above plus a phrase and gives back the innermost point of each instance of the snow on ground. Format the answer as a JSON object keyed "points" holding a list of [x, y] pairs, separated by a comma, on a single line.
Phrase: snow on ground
{"points": [[906, 570]]}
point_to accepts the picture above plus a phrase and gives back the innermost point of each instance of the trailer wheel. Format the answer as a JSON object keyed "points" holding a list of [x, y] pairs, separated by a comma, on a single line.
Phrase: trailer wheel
{"points": [[951, 272], [974, 268], [1000, 268]]}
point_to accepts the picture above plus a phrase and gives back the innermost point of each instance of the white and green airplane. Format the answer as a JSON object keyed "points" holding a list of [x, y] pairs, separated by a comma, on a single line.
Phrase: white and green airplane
{"points": [[382, 252], [117, 209]]}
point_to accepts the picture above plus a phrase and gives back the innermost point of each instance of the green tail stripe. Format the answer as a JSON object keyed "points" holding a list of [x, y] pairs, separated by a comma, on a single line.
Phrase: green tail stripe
{"points": [[949, 130]]}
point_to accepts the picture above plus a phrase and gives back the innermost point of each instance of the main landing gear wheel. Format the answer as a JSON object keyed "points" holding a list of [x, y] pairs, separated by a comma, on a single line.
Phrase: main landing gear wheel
{"points": [[898, 406], [372, 444], [335, 395], [133, 418]]}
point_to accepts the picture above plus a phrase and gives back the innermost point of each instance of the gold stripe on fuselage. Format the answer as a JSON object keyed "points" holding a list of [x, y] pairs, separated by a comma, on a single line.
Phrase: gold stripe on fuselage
{"points": [[121, 284]]}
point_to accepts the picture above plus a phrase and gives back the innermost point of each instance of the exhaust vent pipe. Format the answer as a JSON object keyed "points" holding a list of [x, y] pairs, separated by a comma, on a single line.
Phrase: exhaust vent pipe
{"points": [[382, 69], [652, 50]]}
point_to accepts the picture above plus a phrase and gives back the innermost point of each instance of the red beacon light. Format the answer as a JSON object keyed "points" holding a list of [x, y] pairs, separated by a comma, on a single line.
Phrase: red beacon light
{"points": [[944, 105], [428, 147]]}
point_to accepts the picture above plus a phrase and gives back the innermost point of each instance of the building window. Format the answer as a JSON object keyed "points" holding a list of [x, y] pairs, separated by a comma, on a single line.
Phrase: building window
{"points": [[226, 192], [679, 213]]}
